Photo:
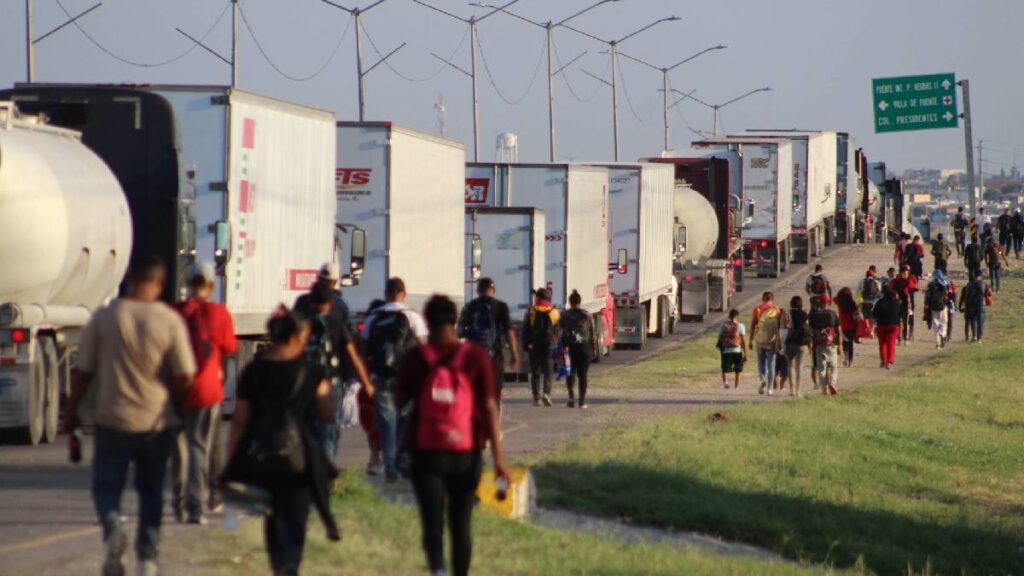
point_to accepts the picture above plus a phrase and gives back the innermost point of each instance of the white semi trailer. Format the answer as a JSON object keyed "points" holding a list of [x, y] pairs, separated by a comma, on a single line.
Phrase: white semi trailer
{"points": [[574, 199], [642, 284], [400, 197], [209, 173], [767, 199]]}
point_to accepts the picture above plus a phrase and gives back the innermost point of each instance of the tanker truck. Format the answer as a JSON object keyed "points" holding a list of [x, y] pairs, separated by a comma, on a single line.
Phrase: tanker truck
{"points": [[68, 238], [703, 282], [209, 173]]}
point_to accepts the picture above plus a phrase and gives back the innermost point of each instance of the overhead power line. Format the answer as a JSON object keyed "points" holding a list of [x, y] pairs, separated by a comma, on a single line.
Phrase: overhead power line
{"points": [[629, 101], [276, 67], [138, 63], [568, 84], [494, 84], [406, 77]]}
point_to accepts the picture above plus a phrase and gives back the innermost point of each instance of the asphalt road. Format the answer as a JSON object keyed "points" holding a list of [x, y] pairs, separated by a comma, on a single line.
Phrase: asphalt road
{"points": [[48, 526]]}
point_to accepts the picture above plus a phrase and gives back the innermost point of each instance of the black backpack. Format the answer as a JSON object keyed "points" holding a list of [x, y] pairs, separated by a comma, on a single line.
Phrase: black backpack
{"points": [[870, 290], [935, 297], [911, 256], [975, 296], [540, 330], [275, 450], [481, 325], [575, 329], [972, 255], [992, 254], [319, 348], [389, 339], [960, 222], [819, 285]]}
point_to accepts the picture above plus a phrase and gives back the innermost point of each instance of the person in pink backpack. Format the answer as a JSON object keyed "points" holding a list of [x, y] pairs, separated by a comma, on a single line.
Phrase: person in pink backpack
{"points": [[449, 386]]}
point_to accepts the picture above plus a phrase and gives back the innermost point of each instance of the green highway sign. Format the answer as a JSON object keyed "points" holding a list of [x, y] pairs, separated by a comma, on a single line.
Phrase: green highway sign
{"points": [[915, 102]]}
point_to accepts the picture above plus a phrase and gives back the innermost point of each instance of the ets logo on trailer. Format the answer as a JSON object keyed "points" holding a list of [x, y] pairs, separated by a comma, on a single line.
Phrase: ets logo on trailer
{"points": [[477, 190], [352, 183]]}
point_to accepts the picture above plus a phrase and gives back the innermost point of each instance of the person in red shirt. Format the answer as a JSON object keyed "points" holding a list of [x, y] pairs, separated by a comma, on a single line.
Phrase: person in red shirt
{"points": [[905, 286], [449, 476], [849, 315], [212, 333]]}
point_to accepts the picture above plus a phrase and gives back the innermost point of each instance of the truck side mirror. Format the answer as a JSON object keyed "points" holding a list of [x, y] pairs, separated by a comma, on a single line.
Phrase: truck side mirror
{"points": [[477, 256], [622, 262], [681, 239], [358, 251], [221, 242], [750, 210]]}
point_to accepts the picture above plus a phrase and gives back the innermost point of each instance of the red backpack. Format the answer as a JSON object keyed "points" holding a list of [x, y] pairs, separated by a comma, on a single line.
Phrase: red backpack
{"points": [[445, 419]]}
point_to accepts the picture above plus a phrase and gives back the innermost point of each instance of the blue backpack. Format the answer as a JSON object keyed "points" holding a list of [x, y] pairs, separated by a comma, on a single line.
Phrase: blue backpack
{"points": [[481, 326]]}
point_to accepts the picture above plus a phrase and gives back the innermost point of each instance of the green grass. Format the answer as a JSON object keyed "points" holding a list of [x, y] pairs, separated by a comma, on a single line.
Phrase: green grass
{"points": [[383, 538], [697, 362], [921, 473]]}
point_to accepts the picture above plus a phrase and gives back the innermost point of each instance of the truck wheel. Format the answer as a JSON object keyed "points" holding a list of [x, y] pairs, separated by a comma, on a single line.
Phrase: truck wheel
{"points": [[600, 350], [51, 409], [663, 318], [33, 433]]}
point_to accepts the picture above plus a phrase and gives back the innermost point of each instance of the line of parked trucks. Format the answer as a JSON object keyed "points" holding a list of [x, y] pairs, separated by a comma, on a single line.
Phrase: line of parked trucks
{"points": [[269, 190]]}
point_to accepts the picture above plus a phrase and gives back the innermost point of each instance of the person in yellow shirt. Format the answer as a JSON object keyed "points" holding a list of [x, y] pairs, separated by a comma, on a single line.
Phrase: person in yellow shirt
{"points": [[539, 334]]}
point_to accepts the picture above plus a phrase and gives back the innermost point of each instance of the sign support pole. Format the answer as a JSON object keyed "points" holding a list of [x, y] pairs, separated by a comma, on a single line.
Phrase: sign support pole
{"points": [[969, 148]]}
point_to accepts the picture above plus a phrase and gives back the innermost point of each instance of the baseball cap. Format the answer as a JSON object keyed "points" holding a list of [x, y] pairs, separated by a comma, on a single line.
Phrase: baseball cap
{"points": [[330, 271], [204, 270]]}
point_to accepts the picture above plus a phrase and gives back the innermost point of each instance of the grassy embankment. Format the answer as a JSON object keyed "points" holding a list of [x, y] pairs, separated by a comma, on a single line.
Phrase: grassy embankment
{"points": [[922, 473], [383, 538]]}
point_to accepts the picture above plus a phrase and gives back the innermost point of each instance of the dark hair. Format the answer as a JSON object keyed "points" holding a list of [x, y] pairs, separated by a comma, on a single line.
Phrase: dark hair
{"points": [[844, 300], [483, 285], [575, 298], [767, 296], [146, 268], [818, 267], [283, 325], [542, 293], [733, 314], [321, 293], [394, 287], [440, 311], [796, 302]]}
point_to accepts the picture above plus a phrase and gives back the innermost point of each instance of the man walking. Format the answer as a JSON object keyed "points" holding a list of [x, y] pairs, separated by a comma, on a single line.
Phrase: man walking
{"points": [[1017, 231], [1004, 228], [486, 322], [826, 340], [972, 258], [973, 300], [389, 332], [765, 326], [941, 252], [870, 291], [212, 334], [539, 328], [960, 224], [137, 353], [817, 283], [936, 301], [994, 259]]}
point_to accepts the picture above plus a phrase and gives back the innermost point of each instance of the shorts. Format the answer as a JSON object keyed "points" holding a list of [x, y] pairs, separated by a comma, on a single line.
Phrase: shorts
{"points": [[781, 367], [732, 362]]}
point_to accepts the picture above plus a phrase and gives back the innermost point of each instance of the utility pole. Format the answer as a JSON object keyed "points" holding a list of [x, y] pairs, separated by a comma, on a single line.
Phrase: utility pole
{"points": [[30, 43], [716, 107], [234, 44], [549, 28], [981, 170], [969, 146], [472, 22], [664, 81], [614, 84], [357, 14]]}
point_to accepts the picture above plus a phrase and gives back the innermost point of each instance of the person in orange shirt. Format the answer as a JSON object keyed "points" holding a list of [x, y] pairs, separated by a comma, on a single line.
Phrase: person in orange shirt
{"points": [[212, 334]]}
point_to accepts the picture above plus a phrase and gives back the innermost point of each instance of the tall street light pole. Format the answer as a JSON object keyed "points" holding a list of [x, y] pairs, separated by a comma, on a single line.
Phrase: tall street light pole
{"points": [[472, 21], [356, 14], [549, 28], [30, 42], [716, 107], [664, 80], [613, 52]]}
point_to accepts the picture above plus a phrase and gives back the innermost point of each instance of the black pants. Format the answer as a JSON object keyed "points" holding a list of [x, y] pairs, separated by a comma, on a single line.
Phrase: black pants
{"points": [[541, 367], [284, 530], [579, 355], [441, 478], [849, 338], [942, 265]]}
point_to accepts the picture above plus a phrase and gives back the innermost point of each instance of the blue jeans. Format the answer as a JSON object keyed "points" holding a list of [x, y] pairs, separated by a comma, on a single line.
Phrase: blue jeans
{"points": [[766, 366], [994, 276], [976, 321], [330, 432], [387, 426], [115, 452]]}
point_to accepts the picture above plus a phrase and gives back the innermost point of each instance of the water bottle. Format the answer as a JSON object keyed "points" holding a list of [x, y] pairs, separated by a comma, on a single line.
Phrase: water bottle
{"points": [[501, 489], [75, 446], [232, 518]]}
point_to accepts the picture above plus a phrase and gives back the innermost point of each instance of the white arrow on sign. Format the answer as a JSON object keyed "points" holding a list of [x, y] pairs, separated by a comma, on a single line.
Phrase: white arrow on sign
{"points": [[946, 84], [883, 105], [948, 116]]}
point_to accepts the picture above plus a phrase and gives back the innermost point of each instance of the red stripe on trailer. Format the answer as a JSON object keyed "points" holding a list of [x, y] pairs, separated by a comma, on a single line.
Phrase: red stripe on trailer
{"points": [[8, 361], [243, 196], [249, 133]]}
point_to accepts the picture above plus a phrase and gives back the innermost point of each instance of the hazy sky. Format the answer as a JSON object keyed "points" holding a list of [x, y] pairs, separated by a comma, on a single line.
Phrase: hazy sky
{"points": [[818, 55]]}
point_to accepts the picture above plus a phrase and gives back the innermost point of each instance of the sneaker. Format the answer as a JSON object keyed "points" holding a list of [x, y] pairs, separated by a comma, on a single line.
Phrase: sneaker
{"points": [[148, 568], [536, 401], [571, 403], [769, 391], [116, 544], [198, 520], [584, 405], [216, 508], [832, 390], [374, 469], [761, 389], [725, 385], [546, 400]]}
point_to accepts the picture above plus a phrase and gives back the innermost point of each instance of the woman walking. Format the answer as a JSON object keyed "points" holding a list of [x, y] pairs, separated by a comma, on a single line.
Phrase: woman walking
{"points": [[273, 444], [887, 327], [577, 330], [450, 388], [849, 315], [798, 340]]}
